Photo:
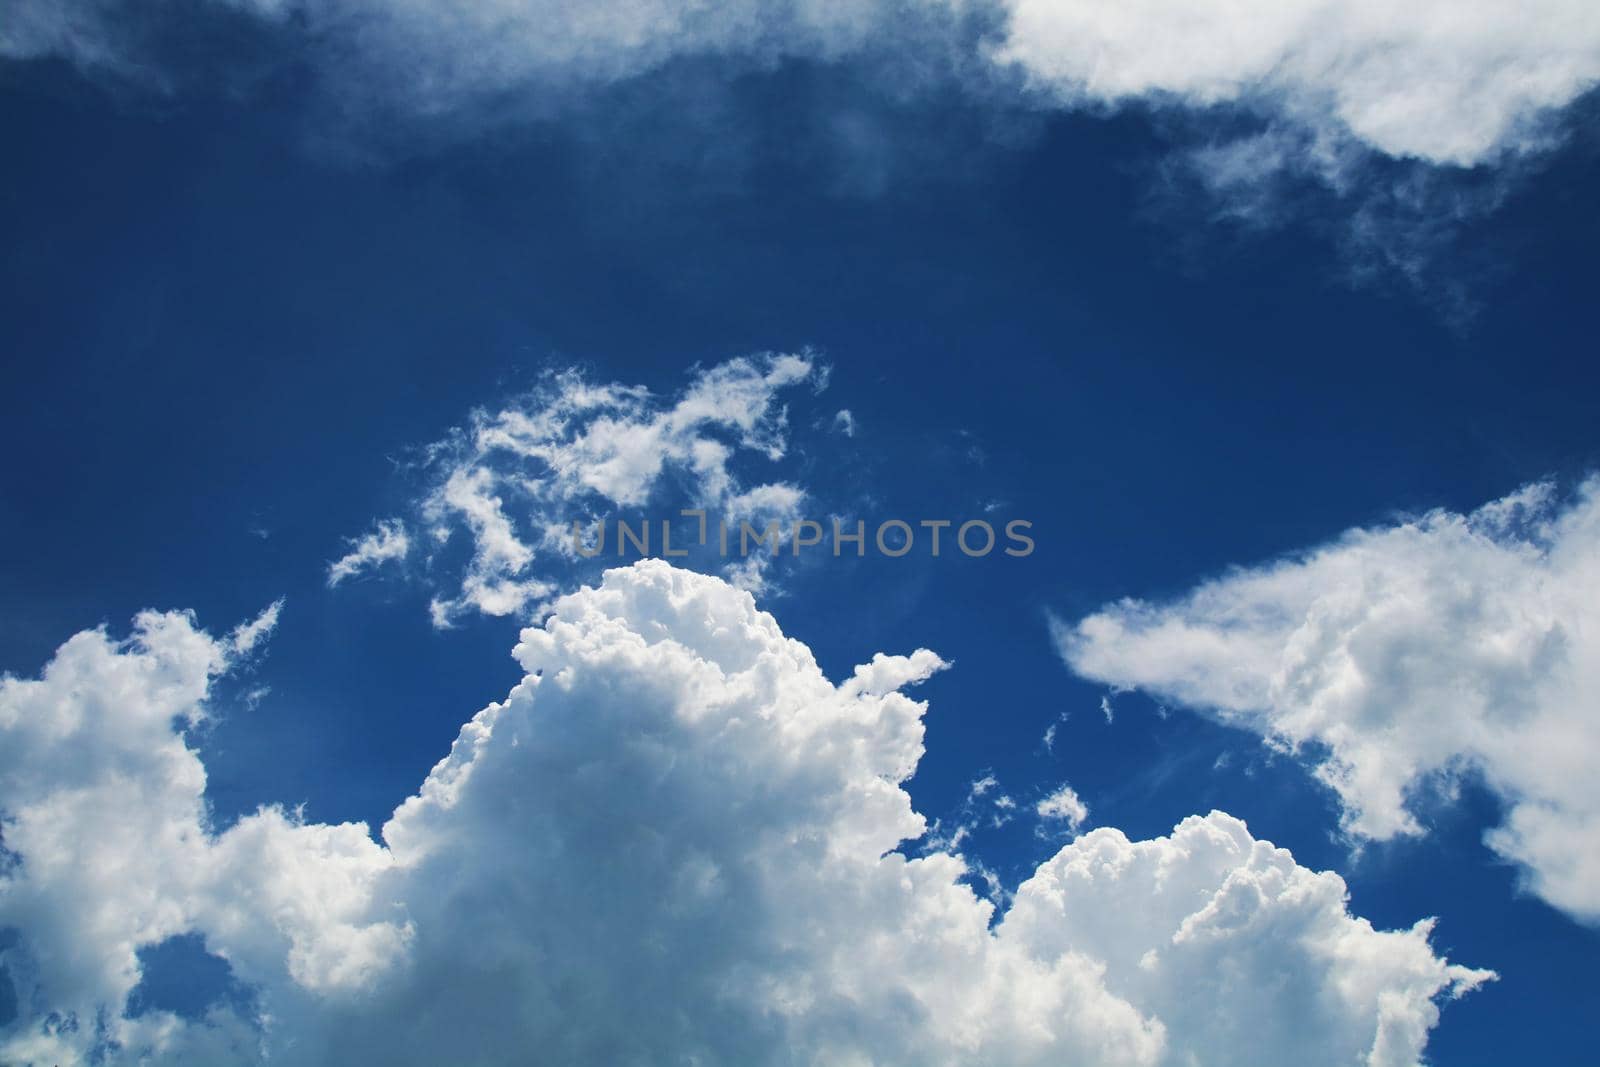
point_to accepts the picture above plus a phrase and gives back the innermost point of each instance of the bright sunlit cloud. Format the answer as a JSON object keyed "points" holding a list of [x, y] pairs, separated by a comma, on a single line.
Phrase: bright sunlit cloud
{"points": [[1412, 655], [673, 839]]}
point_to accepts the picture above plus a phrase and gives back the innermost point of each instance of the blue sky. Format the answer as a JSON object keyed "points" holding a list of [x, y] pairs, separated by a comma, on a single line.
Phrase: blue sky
{"points": [[1187, 322]]}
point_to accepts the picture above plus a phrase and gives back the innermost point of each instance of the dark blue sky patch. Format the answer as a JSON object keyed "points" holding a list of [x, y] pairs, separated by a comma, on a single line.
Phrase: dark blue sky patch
{"points": [[180, 976]]}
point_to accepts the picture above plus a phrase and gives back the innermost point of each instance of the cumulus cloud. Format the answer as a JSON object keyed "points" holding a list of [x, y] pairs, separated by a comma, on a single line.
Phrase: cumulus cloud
{"points": [[1402, 658], [674, 840], [1063, 805], [512, 482], [107, 849]]}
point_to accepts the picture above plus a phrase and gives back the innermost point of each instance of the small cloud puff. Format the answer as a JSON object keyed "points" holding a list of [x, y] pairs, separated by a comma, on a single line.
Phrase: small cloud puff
{"points": [[1065, 806]]}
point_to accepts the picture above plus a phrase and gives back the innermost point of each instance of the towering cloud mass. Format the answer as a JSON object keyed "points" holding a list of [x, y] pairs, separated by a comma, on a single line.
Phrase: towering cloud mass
{"points": [[1411, 655], [674, 841]]}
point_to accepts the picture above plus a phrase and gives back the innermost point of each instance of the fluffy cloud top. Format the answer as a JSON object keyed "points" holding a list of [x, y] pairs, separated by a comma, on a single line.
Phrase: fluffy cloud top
{"points": [[1410, 655], [1446, 81], [513, 481], [673, 841], [107, 849]]}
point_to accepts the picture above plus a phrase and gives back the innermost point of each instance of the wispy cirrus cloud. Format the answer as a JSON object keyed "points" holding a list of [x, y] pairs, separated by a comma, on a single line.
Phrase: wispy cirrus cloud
{"points": [[248, 635], [388, 542]]}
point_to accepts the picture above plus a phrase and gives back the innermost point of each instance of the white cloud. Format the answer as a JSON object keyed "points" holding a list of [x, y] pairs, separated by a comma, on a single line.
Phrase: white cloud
{"points": [[388, 542], [674, 840], [1329, 91], [1444, 81], [512, 481], [1064, 805], [103, 819], [247, 636], [1410, 655]]}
